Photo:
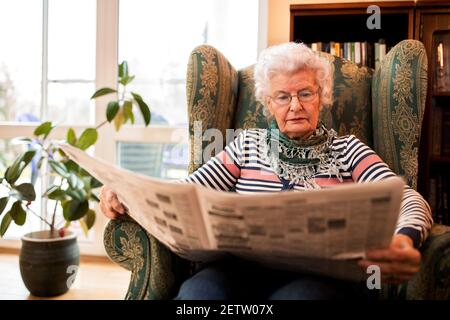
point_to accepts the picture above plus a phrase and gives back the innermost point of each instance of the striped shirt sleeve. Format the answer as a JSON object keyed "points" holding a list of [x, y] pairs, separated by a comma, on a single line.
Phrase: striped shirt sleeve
{"points": [[415, 218], [221, 171]]}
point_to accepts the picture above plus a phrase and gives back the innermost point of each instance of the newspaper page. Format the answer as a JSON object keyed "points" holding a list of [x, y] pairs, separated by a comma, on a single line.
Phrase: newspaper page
{"points": [[320, 231], [168, 211]]}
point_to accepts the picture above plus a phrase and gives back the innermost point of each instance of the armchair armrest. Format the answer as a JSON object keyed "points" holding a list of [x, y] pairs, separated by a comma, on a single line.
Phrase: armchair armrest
{"points": [[156, 272], [433, 280]]}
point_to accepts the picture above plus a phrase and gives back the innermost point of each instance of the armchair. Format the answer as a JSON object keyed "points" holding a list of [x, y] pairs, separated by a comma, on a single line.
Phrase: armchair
{"points": [[384, 108]]}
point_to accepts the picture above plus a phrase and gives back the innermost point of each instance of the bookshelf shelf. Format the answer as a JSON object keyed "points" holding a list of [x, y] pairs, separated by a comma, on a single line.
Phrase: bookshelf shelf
{"points": [[440, 159], [442, 94]]}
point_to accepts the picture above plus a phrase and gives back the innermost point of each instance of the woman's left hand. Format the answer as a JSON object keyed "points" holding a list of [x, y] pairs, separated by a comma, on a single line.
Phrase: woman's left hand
{"points": [[398, 263]]}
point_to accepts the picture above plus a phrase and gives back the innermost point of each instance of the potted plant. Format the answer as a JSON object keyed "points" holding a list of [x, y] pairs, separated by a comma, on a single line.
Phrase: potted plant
{"points": [[49, 257]]}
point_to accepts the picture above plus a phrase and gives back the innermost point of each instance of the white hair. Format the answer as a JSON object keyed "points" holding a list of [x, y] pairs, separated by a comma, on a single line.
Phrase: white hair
{"points": [[288, 58]]}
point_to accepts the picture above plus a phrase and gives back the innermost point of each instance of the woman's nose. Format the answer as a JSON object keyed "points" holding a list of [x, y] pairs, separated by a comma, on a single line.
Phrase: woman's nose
{"points": [[295, 104]]}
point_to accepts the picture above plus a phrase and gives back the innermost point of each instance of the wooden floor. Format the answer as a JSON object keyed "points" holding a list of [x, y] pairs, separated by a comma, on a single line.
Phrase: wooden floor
{"points": [[97, 278]]}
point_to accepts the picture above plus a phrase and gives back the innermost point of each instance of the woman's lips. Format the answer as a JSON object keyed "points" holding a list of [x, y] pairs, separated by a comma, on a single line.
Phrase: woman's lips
{"points": [[296, 119]]}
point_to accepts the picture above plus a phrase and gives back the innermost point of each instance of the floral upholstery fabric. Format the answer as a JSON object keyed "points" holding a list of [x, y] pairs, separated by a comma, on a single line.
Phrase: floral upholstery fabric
{"points": [[433, 283], [398, 96], [155, 271], [378, 107], [249, 112], [212, 89]]}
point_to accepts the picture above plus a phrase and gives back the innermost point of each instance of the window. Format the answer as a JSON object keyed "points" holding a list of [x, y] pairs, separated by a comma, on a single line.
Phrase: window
{"points": [[48, 75], [20, 61], [156, 38], [70, 47]]}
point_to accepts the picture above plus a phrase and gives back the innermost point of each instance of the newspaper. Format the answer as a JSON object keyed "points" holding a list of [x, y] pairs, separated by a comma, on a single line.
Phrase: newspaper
{"points": [[320, 231]]}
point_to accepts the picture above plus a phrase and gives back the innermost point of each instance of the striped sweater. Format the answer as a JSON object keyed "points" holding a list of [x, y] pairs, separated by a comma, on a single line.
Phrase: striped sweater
{"points": [[243, 167]]}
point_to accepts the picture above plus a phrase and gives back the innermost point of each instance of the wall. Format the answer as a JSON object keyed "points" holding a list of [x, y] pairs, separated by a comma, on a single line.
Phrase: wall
{"points": [[278, 22]]}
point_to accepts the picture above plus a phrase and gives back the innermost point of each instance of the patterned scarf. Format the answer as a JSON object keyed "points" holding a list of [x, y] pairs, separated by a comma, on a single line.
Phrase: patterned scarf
{"points": [[298, 160]]}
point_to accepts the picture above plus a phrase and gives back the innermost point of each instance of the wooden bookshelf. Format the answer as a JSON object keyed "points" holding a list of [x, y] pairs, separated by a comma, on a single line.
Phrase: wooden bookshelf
{"points": [[432, 20], [426, 21]]}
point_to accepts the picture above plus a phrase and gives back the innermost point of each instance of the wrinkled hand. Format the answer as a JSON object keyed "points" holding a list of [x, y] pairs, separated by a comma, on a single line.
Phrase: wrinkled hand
{"points": [[110, 204], [398, 263]]}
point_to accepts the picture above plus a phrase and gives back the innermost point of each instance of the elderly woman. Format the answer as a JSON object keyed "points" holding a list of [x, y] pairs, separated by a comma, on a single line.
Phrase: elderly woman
{"points": [[294, 84]]}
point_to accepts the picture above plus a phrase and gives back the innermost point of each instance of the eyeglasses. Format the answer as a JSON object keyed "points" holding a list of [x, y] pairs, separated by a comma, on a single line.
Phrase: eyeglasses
{"points": [[303, 96]]}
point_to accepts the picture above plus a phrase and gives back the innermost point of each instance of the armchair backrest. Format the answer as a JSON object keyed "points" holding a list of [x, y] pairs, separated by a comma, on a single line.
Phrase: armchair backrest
{"points": [[383, 108]]}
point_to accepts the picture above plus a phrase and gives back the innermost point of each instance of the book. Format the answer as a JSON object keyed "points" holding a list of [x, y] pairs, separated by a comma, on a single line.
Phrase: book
{"points": [[364, 53], [382, 48], [358, 53], [377, 55], [352, 51], [332, 48]]}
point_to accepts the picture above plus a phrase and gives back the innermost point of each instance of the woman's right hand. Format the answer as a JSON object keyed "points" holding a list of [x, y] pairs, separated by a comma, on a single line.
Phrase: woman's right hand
{"points": [[110, 204]]}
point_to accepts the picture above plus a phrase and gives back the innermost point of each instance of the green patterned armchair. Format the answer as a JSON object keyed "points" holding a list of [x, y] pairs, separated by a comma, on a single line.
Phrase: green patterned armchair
{"points": [[384, 108]]}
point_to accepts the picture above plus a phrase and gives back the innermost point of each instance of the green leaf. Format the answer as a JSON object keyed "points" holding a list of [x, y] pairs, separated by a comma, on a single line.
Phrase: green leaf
{"points": [[126, 80], [61, 152], [17, 213], [74, 209], [111, 110], [58, 195], [136, 96], [84, 227], [95, 183], [71, 137], [123, 69], [74, 181], [7, 219], [76, 194], [3, 203], [58, 167], [94, 197], [44, 129], [83, 173], [24, 191], [87, 138], [89, 218], [39, 163], [15, 170], [128, 111], [72, 166], [28, 156], [102, 92], [119, 119], [20, 140], [50, 190], [145, 110]]}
